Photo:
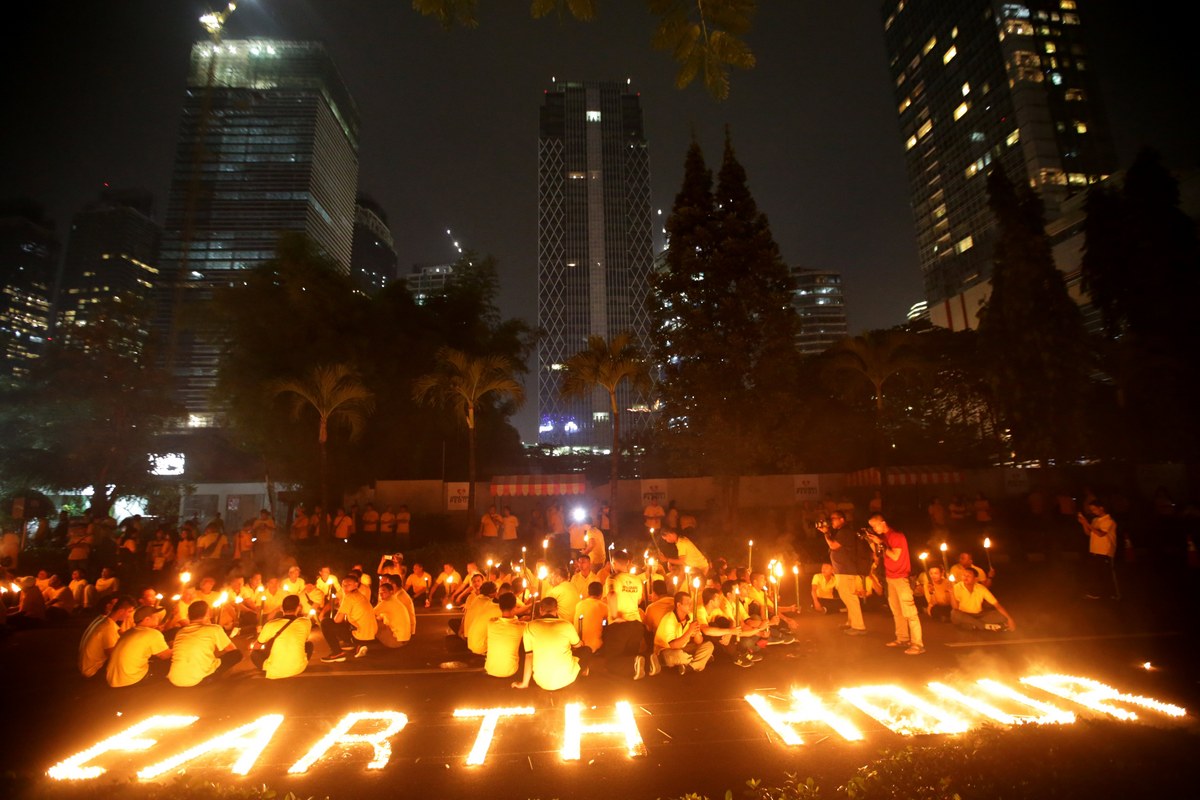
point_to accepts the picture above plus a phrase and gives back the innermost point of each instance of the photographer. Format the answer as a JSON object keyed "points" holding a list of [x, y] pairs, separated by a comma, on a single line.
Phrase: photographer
{"points": [[897, 569], [845, 555]]}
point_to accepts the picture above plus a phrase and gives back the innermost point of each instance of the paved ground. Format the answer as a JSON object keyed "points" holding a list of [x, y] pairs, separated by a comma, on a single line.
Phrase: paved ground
{"points": [[699, 732]]}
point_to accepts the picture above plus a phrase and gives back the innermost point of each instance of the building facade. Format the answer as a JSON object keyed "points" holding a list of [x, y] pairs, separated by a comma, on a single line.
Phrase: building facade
{"points": [[428, 280], [373, 260], [111, 256], [268, 144], [820, 304], [595, 249], [28, 266], [981, 83]]}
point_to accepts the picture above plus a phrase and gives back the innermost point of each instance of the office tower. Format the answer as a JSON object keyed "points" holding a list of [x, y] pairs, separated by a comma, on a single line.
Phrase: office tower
{"points": [[428, 280], [594, 248], [28, 264], [980, 83], [373, 260], [821, 305], [268, 144], [112, 255]]}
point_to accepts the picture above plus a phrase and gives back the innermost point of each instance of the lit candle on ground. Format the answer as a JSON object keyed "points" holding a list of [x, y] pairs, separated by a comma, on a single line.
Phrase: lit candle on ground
{"points": [[943, 548]]}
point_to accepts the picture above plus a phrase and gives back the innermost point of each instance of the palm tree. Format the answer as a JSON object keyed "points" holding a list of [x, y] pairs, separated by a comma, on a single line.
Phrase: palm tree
{"points": [[339, 398], [877, 356], [462, 381], [606, 365]]}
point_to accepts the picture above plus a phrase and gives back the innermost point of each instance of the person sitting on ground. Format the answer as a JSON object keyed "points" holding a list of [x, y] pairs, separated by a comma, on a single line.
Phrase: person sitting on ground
{"points": [[549, 642], [352, 627], [469, 587], [967, 564], [395, 625], [661, 604], [107, 585], [502, 643], [129, 662], [201, 649], [723, 632], [938, 592], [60, 602], [31, 606], [404, 599], [284, 642], [564, 593], [101, 637], [824, 591], [591, 615], [967, 600], [391, 564], [293, 583], [83, 592], [417, 584], [446, 583], [679, 641], [584, 575], [475, 620]]}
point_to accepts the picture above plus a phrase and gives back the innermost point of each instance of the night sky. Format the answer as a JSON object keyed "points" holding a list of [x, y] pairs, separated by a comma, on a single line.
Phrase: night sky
{"points": [[92, 93]]}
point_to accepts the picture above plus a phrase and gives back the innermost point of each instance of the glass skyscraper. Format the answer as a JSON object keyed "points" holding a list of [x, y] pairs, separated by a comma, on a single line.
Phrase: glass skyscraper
{"points": [[820, 304], [595, 248], [268, 144], [980, 83]]}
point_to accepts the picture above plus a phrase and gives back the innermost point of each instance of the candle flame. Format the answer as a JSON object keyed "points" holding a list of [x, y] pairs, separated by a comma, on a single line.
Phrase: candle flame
{"points": [[943, 547], [986, 543], [185, 578]]}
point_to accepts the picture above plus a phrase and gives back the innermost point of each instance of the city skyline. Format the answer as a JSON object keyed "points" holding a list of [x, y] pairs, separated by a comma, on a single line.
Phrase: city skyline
{"points": [[451, 147]]}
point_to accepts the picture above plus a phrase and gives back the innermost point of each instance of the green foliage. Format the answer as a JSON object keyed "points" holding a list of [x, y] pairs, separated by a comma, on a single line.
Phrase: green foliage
{"points": [[89, 411], [181, 788], [705, 37], [1031, 334], [724, 328]]}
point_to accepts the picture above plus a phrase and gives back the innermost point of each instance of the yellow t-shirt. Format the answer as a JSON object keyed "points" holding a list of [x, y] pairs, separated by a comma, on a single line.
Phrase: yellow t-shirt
{"points": [[288, 657], [972, 602], [825, 588], [581, 582], [477, 634], [568, 598], [474, 605], [358, 612], [668, 631], [193, 654], [407, 601], [958, 571], [657, 610], [628, 591], [691, 555], [130, 660], [393, 614], [591, 615], [503, 642], [549, 643], [596, 548], [101, 635]]}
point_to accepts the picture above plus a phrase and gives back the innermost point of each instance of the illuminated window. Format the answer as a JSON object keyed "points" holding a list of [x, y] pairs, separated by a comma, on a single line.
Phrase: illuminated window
{"points": [[940, 211], [932, 43], [900, 80], [593, 116], [1067, 5], [977, 136], [576, 176], [950, 54], [961, 110], [1013, 137], [954, 32], [1080, 127], [1070, 19], [966, 89], [964, 245], [1050, 48], [924, 130], [911, 143], [1075, 94], [1077, 179], [907, 102], [1056, 79]]}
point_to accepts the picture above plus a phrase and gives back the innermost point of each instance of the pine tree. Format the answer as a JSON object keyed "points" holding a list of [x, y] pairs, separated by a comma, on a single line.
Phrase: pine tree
{"points": [[1031, 333], [726, 328]]}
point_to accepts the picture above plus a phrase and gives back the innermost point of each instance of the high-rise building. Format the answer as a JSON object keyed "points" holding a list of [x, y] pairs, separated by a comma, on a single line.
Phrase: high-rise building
{"points": [[595, 248], [373, 260], [112, 255], [28, 264], [268, 144], [820, 304], [428, 280], [980, 83]]}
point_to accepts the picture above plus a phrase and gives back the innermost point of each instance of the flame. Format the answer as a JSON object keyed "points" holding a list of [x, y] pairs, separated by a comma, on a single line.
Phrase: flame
{"points": [[249, 740], [805, 707], [1093, 694], [127, 741], [574, 728], [905, 714], [340, 736], [1050, 714], [185, 578], [487, 728]]}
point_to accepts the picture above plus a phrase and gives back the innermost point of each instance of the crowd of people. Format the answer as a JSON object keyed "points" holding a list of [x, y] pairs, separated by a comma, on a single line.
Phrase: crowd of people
{"points": [[576, 605]]}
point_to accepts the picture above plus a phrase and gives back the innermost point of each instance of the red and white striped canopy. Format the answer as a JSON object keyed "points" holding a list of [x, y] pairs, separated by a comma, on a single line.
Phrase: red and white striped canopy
{"points": [[537, 485], [906, 476]]}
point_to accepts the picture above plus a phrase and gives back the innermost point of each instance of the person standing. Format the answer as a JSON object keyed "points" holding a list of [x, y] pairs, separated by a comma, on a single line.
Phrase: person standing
{"points": [[1102, 546], [847, 568], [897, 569]]}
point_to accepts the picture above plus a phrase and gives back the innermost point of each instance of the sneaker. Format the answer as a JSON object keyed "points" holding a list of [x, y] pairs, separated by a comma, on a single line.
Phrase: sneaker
{"points": [[856, 631], [755, 656], [639, 667], [914, 651], [655, 665], [896, 643], [362, 651], [334, 658], [743, 660], [347, 648]]}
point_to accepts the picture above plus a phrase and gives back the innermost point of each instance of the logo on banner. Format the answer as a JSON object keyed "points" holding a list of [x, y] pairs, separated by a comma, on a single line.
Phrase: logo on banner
{"points": [[808, 487], [457, 495]]}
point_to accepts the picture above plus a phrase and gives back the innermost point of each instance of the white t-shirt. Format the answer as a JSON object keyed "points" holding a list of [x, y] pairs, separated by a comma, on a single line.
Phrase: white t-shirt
{"points": [[100, 636], [130, 661], [194, 653], [288, 657]]}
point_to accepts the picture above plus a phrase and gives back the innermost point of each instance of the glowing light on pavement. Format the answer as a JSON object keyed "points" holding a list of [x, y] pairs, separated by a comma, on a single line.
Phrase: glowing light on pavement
{"points": [[574, 727], [1094, 695], [249, 740], [805, 707], [340, 737], [905, 714], [487, 728], [130, 740], [1050, 714]]}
